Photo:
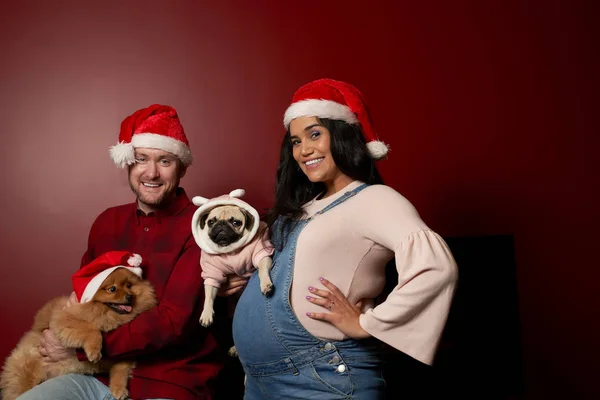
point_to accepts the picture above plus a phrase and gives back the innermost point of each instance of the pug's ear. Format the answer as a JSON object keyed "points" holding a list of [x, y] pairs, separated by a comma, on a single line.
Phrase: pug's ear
{"points": [[203, 219], [249, 220]]}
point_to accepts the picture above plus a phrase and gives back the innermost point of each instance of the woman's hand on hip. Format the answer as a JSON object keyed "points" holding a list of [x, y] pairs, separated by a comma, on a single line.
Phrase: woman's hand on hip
{"points": [[338, 310]]}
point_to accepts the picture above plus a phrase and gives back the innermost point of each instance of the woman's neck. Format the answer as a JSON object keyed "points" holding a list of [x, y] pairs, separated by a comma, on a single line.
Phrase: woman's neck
{"points": [[334, 186]]}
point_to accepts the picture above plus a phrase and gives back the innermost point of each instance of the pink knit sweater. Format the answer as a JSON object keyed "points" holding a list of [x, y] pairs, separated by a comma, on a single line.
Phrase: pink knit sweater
{"points": [[351, 244]]}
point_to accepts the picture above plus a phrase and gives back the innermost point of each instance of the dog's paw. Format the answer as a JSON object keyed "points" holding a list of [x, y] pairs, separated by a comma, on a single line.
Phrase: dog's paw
{"points": [[232, 351], [206, 319], [93, 351], [266, 288], [119, 392]]}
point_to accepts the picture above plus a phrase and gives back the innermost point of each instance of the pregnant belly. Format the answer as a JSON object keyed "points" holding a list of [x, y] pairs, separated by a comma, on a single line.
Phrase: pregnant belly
{"points": [[254, 325]]}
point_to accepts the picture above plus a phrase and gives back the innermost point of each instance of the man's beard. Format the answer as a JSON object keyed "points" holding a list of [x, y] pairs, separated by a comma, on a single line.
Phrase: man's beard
{"points": [[157, 202]]}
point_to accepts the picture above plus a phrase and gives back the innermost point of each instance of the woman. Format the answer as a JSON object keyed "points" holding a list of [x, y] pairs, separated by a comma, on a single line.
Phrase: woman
{"points": [[335, 226]]}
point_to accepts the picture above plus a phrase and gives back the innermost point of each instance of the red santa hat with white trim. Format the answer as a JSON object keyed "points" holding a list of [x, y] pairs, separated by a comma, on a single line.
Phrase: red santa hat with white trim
{"points": [[156, 127], [328, 98], [88, 279]]}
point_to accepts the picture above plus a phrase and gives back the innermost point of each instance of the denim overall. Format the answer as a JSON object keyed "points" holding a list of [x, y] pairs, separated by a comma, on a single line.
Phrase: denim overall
{"points": [[281, 359]]}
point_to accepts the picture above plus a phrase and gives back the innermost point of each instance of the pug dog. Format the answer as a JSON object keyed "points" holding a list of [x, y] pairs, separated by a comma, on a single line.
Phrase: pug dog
{"points": [[233, 241]]}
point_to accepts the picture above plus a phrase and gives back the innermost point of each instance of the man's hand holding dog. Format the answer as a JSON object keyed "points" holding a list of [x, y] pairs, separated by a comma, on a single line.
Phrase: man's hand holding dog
{"points": [[72, 300], [233, 285], [50, 347]]}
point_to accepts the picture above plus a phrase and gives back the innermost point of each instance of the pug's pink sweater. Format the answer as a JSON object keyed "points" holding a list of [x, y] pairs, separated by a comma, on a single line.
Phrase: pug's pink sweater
{"points": [[242, 262], [350, 246]]}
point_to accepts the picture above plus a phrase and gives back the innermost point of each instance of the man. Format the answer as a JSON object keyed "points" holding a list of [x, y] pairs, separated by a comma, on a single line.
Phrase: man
{"points": [[176, 357]]}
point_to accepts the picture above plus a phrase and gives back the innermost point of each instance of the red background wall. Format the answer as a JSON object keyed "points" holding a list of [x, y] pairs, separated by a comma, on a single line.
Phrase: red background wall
{"points": [[487, 106]]}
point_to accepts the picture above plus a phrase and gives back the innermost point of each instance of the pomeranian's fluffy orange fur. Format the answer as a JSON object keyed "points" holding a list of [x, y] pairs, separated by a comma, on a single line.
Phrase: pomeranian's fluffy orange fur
{"points": [[121, 297]]}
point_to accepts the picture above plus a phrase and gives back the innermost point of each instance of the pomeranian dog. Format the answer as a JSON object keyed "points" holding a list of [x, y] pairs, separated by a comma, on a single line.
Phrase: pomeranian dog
{"points": [[119, 298]]}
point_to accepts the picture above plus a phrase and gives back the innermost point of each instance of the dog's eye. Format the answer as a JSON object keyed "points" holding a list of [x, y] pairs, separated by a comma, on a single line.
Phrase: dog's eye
{"points": [[128, 285], [112, 289], [236, 222], [211, 222]]}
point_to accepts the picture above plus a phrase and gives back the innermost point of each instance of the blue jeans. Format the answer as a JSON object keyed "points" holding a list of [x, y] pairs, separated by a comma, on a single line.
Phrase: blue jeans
{"points": [[70, 387], [281, 359], [325, 372]]}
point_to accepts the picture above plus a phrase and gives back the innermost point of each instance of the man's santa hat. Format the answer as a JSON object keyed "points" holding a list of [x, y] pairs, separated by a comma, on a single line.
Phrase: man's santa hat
{"points": [[331, 99], [206, 205], [155, 127], [89, 278]]}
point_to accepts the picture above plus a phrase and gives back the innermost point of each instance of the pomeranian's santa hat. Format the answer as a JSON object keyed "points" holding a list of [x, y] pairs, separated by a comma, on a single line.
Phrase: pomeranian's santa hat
{"points": [[89, 278], [206, 205], [155, 127]]}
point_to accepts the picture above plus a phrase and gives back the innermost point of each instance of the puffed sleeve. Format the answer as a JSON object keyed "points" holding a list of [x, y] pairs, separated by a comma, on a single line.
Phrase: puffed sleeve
{"points": [[413, 316]]}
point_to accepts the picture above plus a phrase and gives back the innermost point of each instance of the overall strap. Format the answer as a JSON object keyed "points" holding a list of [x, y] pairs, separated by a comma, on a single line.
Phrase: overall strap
{"points": [[342, 199]]}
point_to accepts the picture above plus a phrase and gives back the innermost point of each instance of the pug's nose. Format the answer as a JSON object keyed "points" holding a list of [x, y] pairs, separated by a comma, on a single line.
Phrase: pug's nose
{"points": [[129, 297]]}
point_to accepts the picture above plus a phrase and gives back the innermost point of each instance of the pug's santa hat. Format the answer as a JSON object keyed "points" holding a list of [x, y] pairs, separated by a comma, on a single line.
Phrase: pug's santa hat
{"points": [[328, 98], [155, 127], [206, 205], [89, 278]]}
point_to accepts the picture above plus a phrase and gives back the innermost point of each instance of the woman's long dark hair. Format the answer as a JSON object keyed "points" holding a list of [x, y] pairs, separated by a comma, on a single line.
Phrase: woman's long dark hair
{"points": [[293, 188]]}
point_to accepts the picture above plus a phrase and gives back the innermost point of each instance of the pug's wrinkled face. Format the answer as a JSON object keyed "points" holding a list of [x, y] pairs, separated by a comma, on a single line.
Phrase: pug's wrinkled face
{"points": [[226, 224]]}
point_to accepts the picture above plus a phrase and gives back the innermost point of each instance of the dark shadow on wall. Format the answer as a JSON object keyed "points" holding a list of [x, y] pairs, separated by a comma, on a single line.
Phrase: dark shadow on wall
{"points": [[480, 354]]}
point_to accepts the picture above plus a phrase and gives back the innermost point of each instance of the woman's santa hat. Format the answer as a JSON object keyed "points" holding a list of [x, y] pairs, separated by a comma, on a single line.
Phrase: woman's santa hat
{"points": [[328, 98], [155, 127], [206, 205], [89, 278]]}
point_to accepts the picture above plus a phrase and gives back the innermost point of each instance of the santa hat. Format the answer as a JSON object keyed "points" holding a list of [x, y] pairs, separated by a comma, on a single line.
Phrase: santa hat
{"points": [[155, 127], [89, 278], [206, 205], [328, 98]]}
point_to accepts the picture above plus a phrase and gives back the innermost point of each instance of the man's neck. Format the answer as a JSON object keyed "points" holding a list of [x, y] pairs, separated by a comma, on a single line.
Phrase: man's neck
{"points": [[150, 208]]}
